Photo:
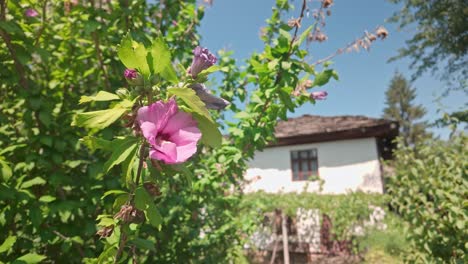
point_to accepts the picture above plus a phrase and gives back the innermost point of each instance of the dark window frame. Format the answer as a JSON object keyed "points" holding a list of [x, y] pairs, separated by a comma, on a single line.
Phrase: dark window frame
{"points": [[309, 159]]}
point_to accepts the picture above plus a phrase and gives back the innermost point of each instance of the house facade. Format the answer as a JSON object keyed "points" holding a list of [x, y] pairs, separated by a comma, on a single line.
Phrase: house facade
{"points": [[331, 155]]}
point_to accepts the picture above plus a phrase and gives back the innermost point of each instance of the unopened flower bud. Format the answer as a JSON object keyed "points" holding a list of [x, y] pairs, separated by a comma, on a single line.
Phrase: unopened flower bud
{"points": [[31, 13], [133, 77], [319, 95], [381, 32], [130, 74], [202, 60], [327, 3]]}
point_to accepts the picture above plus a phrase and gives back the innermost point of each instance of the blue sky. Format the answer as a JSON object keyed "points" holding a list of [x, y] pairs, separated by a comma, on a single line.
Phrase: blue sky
{"points": [[364, 76]]}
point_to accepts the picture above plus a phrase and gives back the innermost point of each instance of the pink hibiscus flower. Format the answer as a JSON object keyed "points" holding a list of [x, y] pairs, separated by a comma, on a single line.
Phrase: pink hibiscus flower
{"points": [[172, 134]]}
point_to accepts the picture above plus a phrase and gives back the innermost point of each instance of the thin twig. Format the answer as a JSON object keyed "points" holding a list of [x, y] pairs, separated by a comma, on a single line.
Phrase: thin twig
{"points": [[101, 61], [337, 52], [6, 37], [44, 20], [78, 246]]}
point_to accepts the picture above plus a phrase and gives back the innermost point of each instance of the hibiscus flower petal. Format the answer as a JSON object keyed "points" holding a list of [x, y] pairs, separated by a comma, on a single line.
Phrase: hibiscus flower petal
{"points": [[177, 122], [186, 136], [166, 151], [149, 131], [184, 152]]}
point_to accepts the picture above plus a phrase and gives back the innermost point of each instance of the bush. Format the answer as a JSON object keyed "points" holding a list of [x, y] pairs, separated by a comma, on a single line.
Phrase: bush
{"points": [[430, 190]]}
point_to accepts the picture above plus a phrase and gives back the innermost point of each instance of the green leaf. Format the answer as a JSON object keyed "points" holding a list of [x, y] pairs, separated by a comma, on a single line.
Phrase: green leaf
{"points": [[47, 199], [303, 36], [125, 148], [142, 198], [324, 77], [133, 55], [210, 132], [102, 118], [5, 170], [8, 243], [100, 96], [30, 258], [153, 215], [33, 182], [144, 244], [113, 192], [192, 100], [94, 143], [160, 60], [213, 69]]}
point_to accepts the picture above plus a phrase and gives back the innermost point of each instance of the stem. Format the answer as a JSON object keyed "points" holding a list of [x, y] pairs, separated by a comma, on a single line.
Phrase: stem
{"points": [[122, 242], [140, 163]]}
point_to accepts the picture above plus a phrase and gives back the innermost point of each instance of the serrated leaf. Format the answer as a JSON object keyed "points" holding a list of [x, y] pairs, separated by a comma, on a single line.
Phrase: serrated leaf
{"points": [[30, 258], [102, 118], [133, 55], [210, 132], [8, 243], [33, 182], [192, 100], [160, 60], [100, 96], [125, 148]]}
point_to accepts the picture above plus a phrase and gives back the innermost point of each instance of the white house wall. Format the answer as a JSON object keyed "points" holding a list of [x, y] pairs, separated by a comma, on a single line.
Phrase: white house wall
{"points": [[344, 165]]}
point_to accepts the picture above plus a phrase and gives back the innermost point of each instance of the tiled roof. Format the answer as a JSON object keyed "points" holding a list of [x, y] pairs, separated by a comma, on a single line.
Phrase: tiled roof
{"points": [[308, 125]]}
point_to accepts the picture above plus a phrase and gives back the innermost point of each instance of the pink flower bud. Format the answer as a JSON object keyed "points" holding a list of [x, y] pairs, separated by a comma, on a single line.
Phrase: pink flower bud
{"points": [[31, 13], [202, 60], [130, 74], [319, 95]]}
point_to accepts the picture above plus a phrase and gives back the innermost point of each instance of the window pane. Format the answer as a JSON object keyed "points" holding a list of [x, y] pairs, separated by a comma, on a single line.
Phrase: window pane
{"points": [[314, 167], [295, 171], [294, 155], [314, 153], [304, 154], [305, 169]]}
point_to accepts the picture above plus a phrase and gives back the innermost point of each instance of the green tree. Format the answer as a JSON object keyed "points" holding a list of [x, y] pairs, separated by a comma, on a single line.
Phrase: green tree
{"points": [[400, 107], [429, 190], [441, 36]]}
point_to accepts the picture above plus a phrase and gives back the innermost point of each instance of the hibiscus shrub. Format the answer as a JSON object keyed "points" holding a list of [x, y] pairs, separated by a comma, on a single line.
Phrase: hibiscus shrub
{"points": [[143, 164]]}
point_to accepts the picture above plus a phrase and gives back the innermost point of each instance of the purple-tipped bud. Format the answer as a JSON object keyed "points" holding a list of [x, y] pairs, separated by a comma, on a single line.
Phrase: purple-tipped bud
{"points": [[31, 13], [320, 95], [130, 74], [211, 101], [202, 60]]}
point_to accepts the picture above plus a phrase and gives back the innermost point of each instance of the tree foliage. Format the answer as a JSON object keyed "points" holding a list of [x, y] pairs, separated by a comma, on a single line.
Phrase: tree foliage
{"points": [[441, 36], [61, 183], [400, 107], [429, 191]]}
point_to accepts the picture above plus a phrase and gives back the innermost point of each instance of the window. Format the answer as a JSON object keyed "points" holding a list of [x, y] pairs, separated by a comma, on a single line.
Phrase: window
{"points": [[304, 164]]}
